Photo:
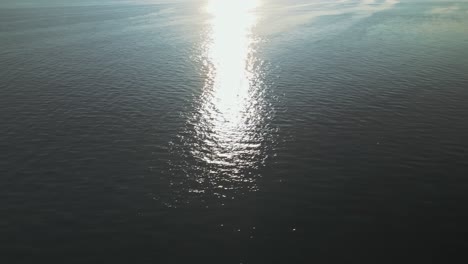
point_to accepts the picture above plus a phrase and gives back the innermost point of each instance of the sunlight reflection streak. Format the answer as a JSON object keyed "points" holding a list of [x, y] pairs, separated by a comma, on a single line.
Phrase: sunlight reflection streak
{"points": [[229, 111]]}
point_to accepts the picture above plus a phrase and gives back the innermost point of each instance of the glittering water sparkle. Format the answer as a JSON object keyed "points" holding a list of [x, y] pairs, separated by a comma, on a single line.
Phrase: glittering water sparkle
{"points": [[228, 124]]}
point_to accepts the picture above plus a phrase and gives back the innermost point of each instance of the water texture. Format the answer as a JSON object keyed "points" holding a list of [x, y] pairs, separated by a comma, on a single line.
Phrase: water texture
{"points": [[264, 131]]}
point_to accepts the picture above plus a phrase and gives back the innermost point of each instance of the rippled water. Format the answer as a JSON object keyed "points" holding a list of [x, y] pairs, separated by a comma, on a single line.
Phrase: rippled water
{"points": [[260, 131], [227, 133]]}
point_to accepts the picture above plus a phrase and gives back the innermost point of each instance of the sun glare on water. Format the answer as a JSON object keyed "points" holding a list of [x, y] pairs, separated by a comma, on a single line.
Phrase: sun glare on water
{"points": [[228, 119], [229, 51]]}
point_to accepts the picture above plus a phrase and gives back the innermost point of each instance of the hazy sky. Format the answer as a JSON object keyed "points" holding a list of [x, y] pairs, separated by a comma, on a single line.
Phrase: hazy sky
{"points": [[39, 3]]}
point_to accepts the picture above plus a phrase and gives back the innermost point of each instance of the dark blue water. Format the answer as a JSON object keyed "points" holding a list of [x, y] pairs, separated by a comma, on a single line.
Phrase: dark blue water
{"points": [[233, 132]]}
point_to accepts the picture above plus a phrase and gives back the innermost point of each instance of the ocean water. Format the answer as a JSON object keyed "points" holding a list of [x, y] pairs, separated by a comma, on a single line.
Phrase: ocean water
{"points": [[263, 131]]}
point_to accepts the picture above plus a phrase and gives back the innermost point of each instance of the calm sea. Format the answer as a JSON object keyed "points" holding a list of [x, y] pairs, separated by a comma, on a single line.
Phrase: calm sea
{"points": [[260, 131]]}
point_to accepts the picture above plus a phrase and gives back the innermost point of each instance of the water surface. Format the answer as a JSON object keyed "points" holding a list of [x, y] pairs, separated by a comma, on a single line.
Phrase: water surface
{"points": [[233, 132]]}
